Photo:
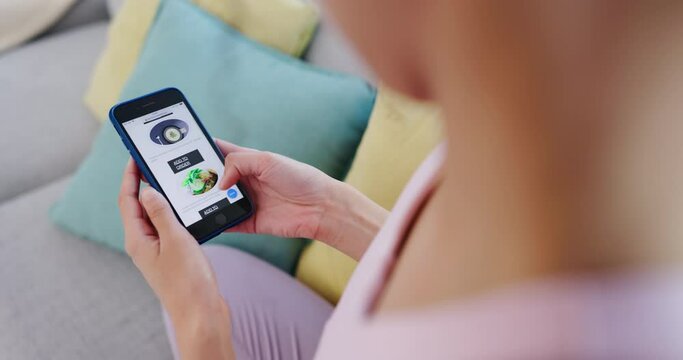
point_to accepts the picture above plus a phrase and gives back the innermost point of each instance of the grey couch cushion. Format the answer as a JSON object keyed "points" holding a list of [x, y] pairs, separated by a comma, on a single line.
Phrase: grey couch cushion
{"points": [[66, 298], [43, 118]]}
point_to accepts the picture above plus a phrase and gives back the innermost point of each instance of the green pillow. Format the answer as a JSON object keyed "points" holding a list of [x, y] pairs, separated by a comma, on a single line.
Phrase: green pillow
{"points": [[243, 92]]}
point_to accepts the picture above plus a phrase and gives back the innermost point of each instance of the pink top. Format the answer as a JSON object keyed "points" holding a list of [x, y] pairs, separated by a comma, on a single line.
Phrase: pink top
{"points": [[626, 315]]}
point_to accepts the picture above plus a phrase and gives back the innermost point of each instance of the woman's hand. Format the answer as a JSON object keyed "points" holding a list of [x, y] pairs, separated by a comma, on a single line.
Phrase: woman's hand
{"points": [[293, 199], [290, 197], [176, 269]]}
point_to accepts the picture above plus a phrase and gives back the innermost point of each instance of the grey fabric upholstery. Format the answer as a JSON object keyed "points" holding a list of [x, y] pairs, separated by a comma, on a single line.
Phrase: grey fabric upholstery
{"points": [[82, 13], [67, 298], [46, 130], [114, 6]]}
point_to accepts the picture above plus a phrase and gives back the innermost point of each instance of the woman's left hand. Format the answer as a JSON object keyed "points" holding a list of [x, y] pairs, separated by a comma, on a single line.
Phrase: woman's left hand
{"points": [[175, 267]]}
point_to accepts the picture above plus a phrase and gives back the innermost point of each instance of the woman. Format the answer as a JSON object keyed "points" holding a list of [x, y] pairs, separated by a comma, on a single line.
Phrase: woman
{"points": [[520, 238]]}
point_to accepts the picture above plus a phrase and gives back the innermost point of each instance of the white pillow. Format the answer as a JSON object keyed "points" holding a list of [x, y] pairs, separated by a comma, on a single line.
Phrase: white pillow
{"points": [[20, 20], [114, 6]]}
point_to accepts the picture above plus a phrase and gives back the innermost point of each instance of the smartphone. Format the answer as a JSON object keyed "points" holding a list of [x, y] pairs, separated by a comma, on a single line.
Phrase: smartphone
{"points": [[180, 160]]}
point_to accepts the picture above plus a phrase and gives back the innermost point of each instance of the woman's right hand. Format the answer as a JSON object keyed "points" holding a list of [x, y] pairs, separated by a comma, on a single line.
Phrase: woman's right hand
{"points": [[296, 200]]}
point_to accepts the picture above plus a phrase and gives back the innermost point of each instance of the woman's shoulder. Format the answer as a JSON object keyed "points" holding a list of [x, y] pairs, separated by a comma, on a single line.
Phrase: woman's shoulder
{"points": [[631, 313]]}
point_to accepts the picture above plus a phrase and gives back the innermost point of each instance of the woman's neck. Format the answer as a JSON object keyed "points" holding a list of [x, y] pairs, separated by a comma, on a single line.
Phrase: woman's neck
{"points": [[542, 177]]}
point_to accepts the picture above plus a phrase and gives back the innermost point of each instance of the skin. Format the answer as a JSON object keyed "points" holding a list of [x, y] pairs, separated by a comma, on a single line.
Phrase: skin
{"points": [[298, 200], [283, 189], [560, 143], [561, 156], [175, 268]]}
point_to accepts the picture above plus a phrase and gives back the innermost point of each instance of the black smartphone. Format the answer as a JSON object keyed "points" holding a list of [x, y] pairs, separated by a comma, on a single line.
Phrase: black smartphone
{"points": [[179, 159]]}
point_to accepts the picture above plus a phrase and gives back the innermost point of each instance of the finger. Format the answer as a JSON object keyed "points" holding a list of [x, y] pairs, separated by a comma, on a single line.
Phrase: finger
{"points": [[129, 207], [243, 164], [135, 167], [228, 147], [130, 185], [128, 195], [160, 213], [147, 225]]}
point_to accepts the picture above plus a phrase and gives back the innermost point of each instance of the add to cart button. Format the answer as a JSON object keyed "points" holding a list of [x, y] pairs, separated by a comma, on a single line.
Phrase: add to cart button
{"points": [[211, 209]]}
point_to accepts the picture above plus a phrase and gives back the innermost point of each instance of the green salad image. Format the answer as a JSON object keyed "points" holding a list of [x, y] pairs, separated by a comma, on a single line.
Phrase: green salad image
{"points": [[199, 181]]}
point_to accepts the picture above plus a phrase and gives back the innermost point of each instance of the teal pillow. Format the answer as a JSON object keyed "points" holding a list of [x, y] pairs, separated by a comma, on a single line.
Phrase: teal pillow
{"points": [[243, 92]]}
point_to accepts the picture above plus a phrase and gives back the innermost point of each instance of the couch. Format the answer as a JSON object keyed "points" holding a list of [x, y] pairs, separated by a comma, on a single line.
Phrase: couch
{"points": [[62, 297]]}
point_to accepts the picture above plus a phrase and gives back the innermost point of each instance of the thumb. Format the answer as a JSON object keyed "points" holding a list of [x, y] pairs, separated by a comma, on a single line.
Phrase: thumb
{"points": [[244, 164], [160, 213]]}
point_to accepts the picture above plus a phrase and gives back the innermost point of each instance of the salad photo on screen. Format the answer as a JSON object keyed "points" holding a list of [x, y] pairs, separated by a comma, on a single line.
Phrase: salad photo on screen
{"points": [[199, 181]]}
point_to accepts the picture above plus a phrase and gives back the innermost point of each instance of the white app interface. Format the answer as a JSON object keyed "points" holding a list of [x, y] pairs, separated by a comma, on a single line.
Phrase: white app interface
{"points": [[183, 162]]}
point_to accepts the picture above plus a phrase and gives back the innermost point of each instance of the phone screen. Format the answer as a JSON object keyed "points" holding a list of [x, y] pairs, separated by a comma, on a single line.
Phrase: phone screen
{"points": [[183, 162]]}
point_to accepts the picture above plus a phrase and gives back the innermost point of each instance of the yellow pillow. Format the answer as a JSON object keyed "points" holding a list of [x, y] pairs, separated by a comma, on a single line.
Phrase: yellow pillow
{"points": [[127, 34], [400, 135], [286, 25]]}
